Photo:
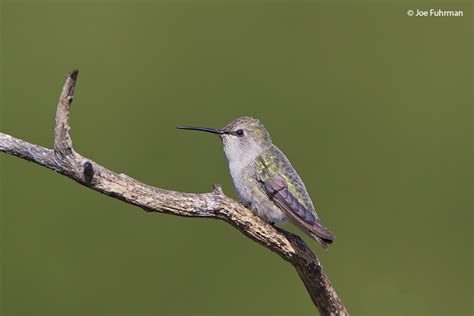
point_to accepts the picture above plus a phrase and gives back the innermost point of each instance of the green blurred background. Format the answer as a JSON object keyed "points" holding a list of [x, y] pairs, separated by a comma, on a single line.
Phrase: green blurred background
{"points": [[374, 109]]}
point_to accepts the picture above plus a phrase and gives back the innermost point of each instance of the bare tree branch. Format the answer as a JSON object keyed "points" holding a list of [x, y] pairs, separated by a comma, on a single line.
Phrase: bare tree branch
{"points": [[64, 160]]}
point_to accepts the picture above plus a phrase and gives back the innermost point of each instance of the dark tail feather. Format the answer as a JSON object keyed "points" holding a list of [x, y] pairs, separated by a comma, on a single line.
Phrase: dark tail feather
{"points": [[321, 234], [316, 230], [325, 243]]}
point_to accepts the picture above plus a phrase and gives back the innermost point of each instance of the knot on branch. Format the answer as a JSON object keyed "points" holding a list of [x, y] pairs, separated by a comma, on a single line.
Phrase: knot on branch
{"points": [[217, 190], [88, 172]]}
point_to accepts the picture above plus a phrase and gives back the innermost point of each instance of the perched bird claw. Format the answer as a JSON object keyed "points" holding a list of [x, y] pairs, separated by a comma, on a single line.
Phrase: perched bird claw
{"points": [[246, 204]]}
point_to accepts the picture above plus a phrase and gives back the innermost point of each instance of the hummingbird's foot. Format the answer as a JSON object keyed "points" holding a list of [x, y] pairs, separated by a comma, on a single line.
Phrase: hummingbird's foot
{"points": [[246, 204]]}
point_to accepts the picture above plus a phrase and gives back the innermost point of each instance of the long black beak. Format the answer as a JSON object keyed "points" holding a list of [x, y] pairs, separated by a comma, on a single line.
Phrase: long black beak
{"points": [[203, 129]]}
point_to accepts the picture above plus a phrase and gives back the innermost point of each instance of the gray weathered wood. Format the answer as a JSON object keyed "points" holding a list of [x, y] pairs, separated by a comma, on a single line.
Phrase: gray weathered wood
{"points": [[64, 160]]}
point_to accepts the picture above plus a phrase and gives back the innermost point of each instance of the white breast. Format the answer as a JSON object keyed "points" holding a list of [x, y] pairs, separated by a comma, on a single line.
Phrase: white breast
{"points": [[241, 172], [241, 166]]}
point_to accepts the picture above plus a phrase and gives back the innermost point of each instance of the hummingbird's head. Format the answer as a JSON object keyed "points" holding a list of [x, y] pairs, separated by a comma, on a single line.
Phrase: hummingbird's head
{"points": [[243, 138]]}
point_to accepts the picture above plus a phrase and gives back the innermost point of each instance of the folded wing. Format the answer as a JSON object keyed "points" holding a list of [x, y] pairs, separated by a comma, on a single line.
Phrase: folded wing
{"points": [[275, 185]]}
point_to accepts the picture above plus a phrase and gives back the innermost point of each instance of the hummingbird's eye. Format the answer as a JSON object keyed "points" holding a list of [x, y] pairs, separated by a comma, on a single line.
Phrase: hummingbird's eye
{"points": [[240, 132]]}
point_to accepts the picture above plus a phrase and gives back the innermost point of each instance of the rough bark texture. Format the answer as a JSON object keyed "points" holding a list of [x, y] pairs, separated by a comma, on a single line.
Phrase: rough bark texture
{"points": [[64, 160]]}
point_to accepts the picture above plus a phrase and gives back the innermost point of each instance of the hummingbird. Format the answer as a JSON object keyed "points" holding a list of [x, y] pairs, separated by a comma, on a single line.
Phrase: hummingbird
{"points": [[264, 178]]}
